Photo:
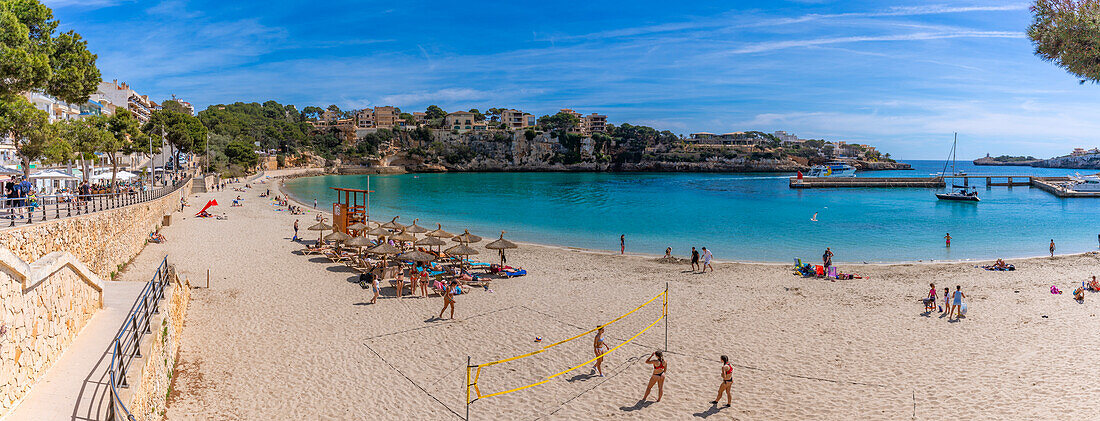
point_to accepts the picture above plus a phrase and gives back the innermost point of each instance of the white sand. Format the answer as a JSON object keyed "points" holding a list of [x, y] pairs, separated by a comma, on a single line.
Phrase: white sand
{"points": [[284, 336]]}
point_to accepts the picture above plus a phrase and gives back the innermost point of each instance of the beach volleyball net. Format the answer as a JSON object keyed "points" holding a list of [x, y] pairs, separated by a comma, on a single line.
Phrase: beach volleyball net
{"points": [[473, 371]]}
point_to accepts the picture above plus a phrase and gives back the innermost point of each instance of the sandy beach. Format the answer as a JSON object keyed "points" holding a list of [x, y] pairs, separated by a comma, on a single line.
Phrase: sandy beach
{"points": [[279, 335]]}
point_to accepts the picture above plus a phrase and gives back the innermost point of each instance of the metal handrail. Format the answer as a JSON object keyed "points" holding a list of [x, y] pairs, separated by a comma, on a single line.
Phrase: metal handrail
{"points": [[64, 206], [127, 342]]}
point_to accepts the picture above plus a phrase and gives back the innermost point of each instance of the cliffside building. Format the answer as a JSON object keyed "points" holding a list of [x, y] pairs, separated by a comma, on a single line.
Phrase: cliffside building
{"points": [[588, 124], [464, 121], [516, 119], [380, 118]]}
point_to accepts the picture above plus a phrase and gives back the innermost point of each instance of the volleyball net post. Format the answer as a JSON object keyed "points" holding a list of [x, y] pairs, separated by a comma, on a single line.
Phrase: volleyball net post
{"points": [[473, 371], [664, 312]]}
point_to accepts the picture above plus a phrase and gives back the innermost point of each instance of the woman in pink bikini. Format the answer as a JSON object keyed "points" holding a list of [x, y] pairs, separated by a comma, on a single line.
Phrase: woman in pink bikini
{"points": [[727, 382]]}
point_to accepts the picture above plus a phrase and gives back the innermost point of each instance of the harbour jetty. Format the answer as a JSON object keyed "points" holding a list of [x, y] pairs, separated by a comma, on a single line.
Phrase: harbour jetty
{"points": [[1058, 186]]}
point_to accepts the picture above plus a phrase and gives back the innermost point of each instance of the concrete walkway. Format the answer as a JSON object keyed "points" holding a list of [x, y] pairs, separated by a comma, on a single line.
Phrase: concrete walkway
{"points": [[76, 387]]}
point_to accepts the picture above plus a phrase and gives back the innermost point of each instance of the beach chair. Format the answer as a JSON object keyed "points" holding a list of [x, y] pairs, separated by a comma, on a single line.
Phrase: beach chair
{"points": [[797, 264], [832, 273], [819, 270]]}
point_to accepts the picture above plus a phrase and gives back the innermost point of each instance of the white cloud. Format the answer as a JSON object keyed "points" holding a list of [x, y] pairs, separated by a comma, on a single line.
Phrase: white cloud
{"points": [[769, 46], [89, 4]]}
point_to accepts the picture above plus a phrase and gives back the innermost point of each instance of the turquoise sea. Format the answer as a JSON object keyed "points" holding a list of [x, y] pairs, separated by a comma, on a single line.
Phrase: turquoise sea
{"points": [[743, 217]]}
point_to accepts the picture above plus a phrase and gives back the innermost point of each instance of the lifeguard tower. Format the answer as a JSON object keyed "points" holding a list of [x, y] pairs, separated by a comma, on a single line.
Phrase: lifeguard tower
{"points": [[351, 206]]}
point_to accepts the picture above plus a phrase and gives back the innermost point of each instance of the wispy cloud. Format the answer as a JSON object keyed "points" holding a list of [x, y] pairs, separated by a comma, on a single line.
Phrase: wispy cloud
{"points": [[86, 4], [770, 46]]}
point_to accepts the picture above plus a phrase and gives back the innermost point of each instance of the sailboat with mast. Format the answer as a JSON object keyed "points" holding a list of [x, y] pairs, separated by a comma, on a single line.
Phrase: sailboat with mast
{"points": [[964, 194]]}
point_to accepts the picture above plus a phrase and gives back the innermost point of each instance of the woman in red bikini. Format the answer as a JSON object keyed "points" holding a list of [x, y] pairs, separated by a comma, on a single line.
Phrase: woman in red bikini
{"points": [[727, 382], [658, 377]]}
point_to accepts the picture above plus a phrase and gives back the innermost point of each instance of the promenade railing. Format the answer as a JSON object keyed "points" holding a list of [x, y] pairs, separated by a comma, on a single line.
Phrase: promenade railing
{"points": [[43, 208], [127, 343]]}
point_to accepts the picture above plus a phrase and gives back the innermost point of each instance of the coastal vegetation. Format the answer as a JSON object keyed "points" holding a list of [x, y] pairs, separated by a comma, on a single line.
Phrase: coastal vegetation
{"points": [[34, 57], [1067, 33]]}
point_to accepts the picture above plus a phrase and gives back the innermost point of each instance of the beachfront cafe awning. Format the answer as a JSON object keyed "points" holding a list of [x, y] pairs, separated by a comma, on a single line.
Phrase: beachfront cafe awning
{"points": [[122, 175], [52, 175]]}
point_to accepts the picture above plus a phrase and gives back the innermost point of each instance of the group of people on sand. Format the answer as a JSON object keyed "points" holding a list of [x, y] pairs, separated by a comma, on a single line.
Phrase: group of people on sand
{"points": [[706, 256], [660, 367], [953, 306]]}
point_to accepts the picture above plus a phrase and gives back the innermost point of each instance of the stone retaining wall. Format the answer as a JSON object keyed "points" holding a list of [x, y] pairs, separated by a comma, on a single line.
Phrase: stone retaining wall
{"points": [[43, 306], [149, 395], [104, 240]]}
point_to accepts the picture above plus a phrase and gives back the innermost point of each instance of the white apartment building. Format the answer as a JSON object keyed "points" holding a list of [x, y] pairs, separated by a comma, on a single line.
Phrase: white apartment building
{"points": [[121, 96]]}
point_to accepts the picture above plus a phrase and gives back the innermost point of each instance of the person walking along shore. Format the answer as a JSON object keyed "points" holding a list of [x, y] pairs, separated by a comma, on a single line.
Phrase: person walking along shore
{"points": [[727, 382], [694, 259]]}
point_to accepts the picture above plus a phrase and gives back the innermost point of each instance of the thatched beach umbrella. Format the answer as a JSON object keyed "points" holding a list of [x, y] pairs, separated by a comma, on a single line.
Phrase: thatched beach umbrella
{"points": [[461, 250], [359, 242], [384, 249], [501, 245], [337, 236], [393, 225], [358, 226], [467, 238], [440, 233], [320, 226], [416, 256], [415, 229], [403, 237], [378, 232], [429, 242]]}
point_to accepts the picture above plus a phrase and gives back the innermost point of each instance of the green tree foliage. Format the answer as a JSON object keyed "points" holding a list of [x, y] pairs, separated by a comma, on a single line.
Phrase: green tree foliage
{"points": [[126, 137], [530, 134], [34, 58], [311, 113], [434, 112], [560, 122], [241, 153], [478, 116], [272, 124], [1067, 33], [29, 127], [183, 132], [86, 137]]}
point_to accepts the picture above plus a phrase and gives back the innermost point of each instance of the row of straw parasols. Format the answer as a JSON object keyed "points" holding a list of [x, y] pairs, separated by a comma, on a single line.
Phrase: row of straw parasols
{"points": [[406, 234]]}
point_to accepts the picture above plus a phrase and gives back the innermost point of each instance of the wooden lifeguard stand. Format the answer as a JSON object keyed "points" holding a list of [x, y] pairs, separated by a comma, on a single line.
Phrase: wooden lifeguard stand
{"points": [[351, 206]]}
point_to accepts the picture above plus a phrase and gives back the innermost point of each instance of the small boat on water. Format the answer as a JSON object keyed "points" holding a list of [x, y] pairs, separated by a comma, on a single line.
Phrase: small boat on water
{"points": [[1087, 183], [960, 196], [964, 194], [832, 169]]}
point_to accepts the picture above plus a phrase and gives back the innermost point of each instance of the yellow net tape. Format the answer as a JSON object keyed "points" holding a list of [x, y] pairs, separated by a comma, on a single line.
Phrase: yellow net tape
{"points": [[477, 389]]}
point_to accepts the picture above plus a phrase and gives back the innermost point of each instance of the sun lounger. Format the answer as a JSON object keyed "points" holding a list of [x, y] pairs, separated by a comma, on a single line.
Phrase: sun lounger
{"points": [[513, 274]]}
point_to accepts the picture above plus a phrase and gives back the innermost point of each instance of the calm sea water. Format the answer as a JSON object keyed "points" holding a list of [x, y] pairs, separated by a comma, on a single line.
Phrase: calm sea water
{"points": [[751, 217]]}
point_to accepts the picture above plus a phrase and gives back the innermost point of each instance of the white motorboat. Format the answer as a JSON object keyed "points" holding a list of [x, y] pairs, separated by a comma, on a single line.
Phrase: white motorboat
{"points": [[832, 169]]}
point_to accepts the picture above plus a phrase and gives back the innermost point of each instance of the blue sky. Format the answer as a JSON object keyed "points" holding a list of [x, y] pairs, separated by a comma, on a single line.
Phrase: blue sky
{"points": [[899, 75]]}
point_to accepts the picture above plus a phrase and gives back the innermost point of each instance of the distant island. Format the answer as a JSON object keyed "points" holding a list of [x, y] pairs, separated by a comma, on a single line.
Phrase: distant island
{"points": [[1080, 158], [1006, 160]]}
